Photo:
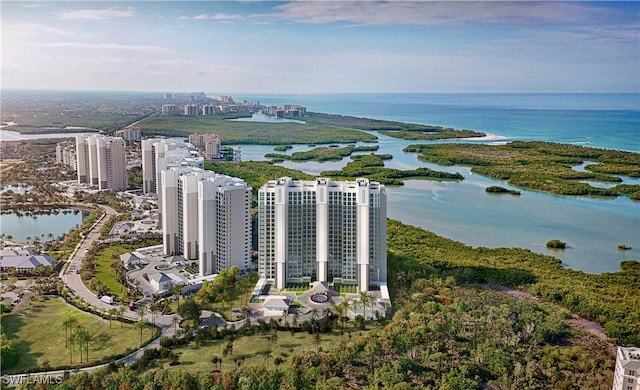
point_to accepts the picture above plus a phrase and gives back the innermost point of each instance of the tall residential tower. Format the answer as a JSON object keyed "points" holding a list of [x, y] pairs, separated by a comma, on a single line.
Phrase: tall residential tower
{"points": [[101, 161], [206, 216], [324, 231]]}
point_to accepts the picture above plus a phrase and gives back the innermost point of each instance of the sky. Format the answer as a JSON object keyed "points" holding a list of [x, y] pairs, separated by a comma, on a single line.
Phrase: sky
{"points": [[321, 46]]}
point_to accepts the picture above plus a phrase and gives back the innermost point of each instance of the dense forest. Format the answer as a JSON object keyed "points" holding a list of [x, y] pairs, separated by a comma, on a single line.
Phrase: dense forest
{"points": [[457, 324], [402, 130]]}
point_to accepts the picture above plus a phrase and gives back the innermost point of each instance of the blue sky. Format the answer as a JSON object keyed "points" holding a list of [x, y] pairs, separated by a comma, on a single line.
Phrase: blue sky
{"points": [[322, 46]]}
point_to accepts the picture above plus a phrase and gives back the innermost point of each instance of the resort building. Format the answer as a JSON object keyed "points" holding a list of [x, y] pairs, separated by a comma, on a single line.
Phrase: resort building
{"points": [[324, 231], [101, 161], [627, 373], [210, 143], [206, 216], [22, 261], [66, 153], [170, 110], [161, 153], [130, 134]]}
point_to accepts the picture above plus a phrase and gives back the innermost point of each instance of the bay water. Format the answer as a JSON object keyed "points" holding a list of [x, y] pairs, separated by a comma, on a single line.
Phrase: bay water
{"points": [[463, 211]]}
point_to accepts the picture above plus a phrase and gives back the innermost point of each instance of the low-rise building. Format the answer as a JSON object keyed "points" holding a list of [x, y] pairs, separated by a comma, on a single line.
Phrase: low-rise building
{"points": [[24, 264], [160, 282]]}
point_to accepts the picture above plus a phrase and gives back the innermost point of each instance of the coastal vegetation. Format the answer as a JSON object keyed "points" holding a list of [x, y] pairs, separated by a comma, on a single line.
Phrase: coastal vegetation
{"points": [[331, 153], [255, 173], [391, 128], [556, 244], [604, 298], [501, 190], [282, 148], [372, 167], [542, 166], [447, 333], [264, 133]]}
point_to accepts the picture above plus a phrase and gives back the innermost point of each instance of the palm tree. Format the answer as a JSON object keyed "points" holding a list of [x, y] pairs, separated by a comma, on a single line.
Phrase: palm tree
{"points": [[121, 311], [342, 309], [314, 315], [216, 361], [372, 349], [68, 323], [153, 309], [83, 337], [141, 312], [285, 316], [175, 320], [267, 356], [112, 314], [176, 289], [364, 300], [372, 301]]}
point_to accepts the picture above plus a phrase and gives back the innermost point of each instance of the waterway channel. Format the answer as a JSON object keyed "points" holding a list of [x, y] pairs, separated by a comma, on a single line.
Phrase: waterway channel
{"points": [[462, 210]]}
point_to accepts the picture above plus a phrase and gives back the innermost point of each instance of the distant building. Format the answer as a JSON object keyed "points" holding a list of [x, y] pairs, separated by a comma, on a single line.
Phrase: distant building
{"points": [[206, 216], [226, 99], [130, 134], [210, 143], [276, 111], [101, 161], [66, 153], [294, 110], [289, 110], [323, 230], [170, 110], [190, 110], [627, 372], [160, 154], [208, 110], [230, 153]]}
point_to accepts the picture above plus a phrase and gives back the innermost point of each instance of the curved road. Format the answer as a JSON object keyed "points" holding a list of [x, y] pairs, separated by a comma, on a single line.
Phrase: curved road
{"points": [[72, 279]]}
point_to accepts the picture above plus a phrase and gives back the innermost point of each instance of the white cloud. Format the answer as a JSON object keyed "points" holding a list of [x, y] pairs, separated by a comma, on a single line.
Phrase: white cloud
{"points": [[95, 14], [435, 13], [31, 29], [218, 16], [108, 46]]}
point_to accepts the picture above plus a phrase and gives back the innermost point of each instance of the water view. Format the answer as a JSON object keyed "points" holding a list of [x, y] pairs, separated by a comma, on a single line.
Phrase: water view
{"points": [[21, 227], [463, 211]]}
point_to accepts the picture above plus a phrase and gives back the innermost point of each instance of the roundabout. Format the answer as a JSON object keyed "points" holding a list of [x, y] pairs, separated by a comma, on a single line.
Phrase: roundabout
{"points": [[319, 298]]}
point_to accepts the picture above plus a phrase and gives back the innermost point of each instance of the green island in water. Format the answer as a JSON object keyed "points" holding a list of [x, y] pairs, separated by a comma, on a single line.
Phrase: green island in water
{"points": [[542, 166]]}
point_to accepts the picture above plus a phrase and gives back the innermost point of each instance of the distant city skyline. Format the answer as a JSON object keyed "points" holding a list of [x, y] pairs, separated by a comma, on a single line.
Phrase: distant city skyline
{"points": [[266, 47]]}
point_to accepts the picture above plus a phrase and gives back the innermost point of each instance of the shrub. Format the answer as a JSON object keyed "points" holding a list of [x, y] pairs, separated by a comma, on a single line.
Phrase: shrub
{"points": [[556, 244]]}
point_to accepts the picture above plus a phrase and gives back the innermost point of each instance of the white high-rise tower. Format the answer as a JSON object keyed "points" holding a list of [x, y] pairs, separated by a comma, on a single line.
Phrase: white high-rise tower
{"points": [[324, 231], [206, 216]]}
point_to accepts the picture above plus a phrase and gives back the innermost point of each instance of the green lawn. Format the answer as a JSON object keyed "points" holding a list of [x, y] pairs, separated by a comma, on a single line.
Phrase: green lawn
{"points": [[105, 273], [41, 337], [193, 358], [343, 289]]}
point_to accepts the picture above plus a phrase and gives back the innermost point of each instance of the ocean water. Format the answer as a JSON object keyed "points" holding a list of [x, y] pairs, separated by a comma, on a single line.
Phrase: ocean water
{"points": [[599, 120], [463, 211]]}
